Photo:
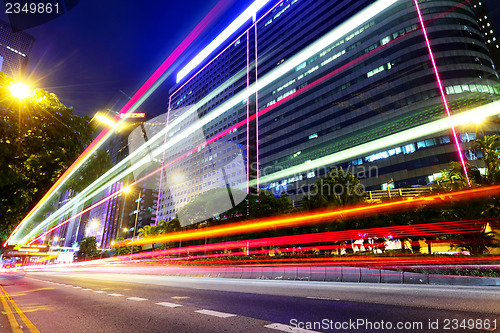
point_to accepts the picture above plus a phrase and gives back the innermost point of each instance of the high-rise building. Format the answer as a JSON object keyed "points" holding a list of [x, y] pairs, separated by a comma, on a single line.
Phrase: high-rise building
{"points": [[307, 86], [15, 48], [487, 28]]}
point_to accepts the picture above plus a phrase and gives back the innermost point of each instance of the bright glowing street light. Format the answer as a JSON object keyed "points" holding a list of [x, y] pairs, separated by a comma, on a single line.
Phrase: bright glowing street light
{"points": [[93, 224], [126, 189], [19, 90], [105, 120]]}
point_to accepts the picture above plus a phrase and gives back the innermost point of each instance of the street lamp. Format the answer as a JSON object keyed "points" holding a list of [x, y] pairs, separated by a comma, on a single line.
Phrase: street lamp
{"points": [[103, 119], [19, 90]]}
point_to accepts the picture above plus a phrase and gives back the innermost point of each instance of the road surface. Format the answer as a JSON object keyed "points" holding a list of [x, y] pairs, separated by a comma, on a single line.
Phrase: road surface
{"points": [[64, 302]]}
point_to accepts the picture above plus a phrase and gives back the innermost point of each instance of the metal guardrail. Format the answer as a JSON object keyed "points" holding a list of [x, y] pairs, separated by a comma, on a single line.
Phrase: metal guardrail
{"points": [[398, 193]]}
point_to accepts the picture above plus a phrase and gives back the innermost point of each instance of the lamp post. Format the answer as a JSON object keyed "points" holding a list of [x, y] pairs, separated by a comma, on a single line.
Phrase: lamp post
{"points": [[135, 225], [56, 239], [19, 90]]}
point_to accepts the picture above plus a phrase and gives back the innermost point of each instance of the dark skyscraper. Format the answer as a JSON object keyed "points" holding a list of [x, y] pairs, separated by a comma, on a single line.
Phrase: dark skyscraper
{"points": [[328, 84], [488, 30], [15, 48]]}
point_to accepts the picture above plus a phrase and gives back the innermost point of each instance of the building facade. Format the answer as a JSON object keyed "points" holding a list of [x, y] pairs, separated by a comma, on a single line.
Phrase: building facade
{"points": [[15, 48], [324, 83]]}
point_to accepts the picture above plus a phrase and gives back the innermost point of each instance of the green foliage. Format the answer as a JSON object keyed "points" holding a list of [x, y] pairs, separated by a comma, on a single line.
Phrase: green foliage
{"points": [[88, 248], [125, 249], [39, 139], [453, 178], [489, 146], [338, 189], [266, 204]]}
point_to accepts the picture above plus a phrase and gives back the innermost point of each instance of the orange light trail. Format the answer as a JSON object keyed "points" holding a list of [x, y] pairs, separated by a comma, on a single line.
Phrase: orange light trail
{"points": [[221, 135], [156, 76], [295, 220]]}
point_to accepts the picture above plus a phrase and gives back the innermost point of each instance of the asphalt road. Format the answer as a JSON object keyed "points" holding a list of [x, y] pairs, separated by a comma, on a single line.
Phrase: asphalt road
{"points": [[89, 302]]}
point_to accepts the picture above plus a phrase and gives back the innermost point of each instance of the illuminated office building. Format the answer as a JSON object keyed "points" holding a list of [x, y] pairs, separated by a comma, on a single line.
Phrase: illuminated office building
{"points": [[334, 76], [15, 48], [487, 29]]}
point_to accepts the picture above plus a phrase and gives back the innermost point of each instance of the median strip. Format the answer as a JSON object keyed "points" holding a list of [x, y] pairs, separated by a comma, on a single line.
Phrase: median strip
{"points": [[10, 315], [25, 319]]}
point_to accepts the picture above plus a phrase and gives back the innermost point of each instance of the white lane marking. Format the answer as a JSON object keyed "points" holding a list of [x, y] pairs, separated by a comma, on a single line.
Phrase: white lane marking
{"points": [[116, 295], [137, 299], [286, 328], [216, 313], [324, 298], [167, 304], [77, 287], [99, 291], [68, 285], [86, 289]]}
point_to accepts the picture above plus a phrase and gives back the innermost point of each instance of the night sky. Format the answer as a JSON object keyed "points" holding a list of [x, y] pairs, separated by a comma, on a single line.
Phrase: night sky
{"points": [[99, 49]]}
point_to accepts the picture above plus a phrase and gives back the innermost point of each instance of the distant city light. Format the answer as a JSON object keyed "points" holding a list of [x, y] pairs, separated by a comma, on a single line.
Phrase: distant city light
{"points": [[20, 90], [132, 115]]}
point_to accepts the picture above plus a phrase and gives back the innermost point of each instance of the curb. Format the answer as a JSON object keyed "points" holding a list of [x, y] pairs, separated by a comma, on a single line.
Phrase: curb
{"points": [[312, 273]]}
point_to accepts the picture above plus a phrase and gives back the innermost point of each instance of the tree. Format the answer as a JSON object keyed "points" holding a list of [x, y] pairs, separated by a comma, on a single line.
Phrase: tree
{"points": [[454, 178], [338, 189], [148, 230], [122, 250], [489, 147], [88, 248], [39, 139], [170, 226], [267, 204]]}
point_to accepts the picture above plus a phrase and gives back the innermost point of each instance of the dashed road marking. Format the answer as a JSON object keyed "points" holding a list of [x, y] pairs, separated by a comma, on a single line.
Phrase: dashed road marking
{"points": [[86, 289], [116, 295], [137, 299], [99, 291], [216, 313], [169, 305], [77, 287], [286, 328], [324, 298]]}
